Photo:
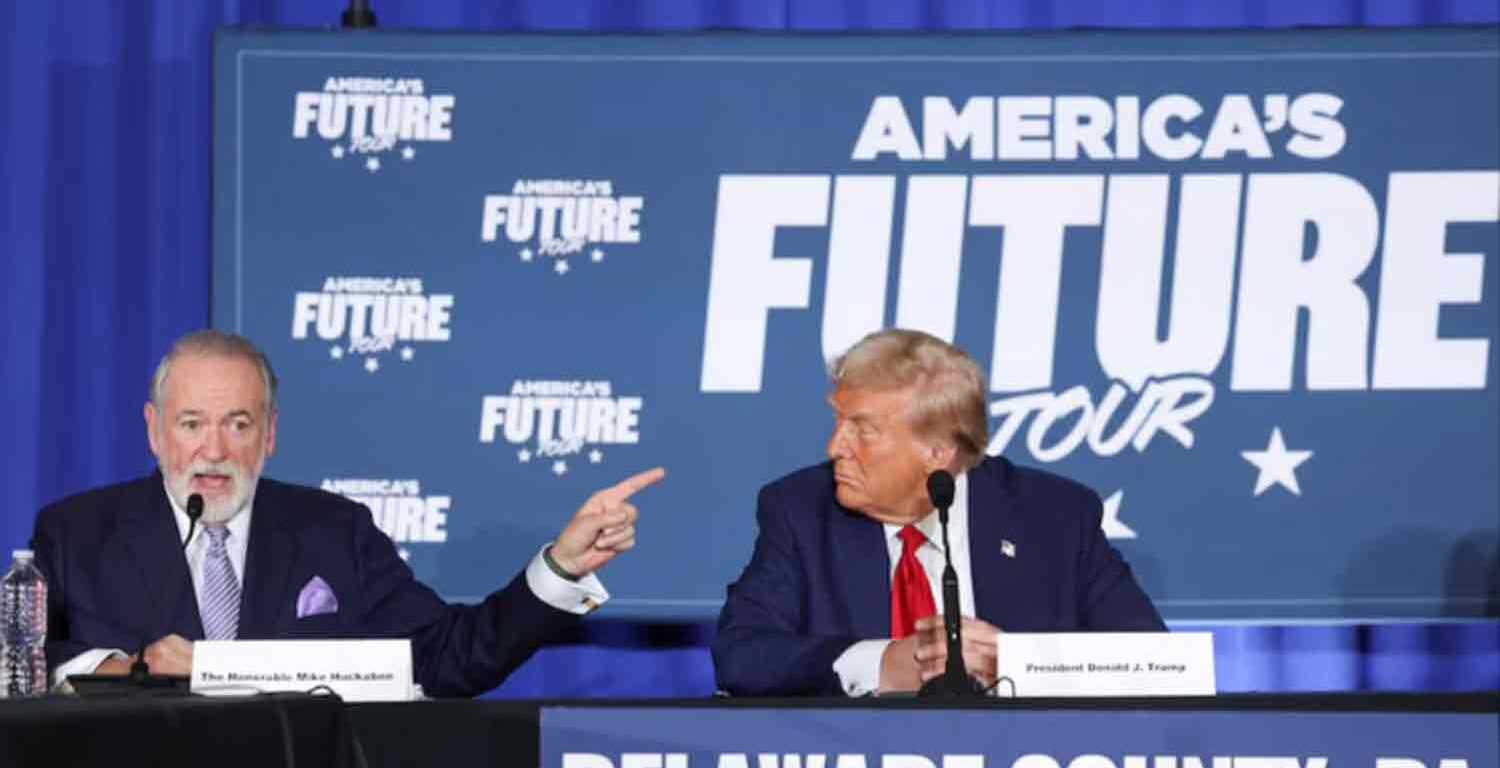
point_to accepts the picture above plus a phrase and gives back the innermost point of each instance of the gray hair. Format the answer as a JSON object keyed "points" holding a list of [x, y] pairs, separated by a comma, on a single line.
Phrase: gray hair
{"points": [[209, 341], [948, 402]]}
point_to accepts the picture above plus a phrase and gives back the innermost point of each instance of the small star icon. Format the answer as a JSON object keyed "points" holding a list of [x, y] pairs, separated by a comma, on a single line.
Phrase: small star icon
{"points": [[408, 152], [373, 164], [1113, 527], [559, 468], [337, 353], [526, 254], [404, 553], [561, 267], [371, 364], [596, 255], [407, 353], [596, 456], [1277, 465], [337, 151], [523, 455]]}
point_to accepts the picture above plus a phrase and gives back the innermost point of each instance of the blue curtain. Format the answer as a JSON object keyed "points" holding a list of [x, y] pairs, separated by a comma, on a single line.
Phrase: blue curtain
{"points": [[104, 259]]}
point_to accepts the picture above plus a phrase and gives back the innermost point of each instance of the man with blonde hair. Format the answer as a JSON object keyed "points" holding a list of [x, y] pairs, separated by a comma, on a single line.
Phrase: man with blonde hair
{"points": [[842, 591]]}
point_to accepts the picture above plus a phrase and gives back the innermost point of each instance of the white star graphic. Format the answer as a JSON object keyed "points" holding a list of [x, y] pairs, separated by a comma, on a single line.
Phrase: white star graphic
{"points": [[561, 267], [372, 164], [371, 364], [337, 353], [407, 353], [1113, 528], [596, 456], [408, 152], [597, 255], [559, 468], [337, 151], [525, 254], [1277, 465], [404, 553], [523, 455]]}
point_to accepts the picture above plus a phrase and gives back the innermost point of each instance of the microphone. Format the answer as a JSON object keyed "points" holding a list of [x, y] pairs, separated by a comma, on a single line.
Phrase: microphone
{"points": [[140, 681], [955, 680], [939, 492], [140, 671], [194, 511]]}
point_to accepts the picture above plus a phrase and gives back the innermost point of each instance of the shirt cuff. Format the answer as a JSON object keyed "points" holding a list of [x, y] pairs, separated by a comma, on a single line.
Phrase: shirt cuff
{"points": [[579, 597], [858, 667], [85, 663]]}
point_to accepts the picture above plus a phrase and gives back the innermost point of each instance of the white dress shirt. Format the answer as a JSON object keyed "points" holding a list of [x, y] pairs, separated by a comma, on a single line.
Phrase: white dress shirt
{"points": [[858, 667], [578, 597]]}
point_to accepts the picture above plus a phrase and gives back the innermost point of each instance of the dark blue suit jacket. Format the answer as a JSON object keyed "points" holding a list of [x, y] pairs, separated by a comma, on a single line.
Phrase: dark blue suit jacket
{"points": [[819, 578], [117, 578]]}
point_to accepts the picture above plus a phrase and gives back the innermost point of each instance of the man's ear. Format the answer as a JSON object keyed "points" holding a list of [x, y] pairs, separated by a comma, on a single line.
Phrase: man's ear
{"points": [[270, 433], [153, 428], [941, 454]]}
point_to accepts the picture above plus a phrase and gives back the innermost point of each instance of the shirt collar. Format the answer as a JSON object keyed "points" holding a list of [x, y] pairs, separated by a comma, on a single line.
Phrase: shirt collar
{"points": [[930, 526]]}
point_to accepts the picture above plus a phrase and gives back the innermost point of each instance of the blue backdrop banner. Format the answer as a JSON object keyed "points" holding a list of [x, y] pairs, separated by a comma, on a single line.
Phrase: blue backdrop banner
{"points": [[1242, 284]]}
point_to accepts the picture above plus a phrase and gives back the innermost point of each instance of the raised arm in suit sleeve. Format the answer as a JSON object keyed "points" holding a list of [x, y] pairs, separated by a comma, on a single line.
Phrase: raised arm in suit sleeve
{"points": [[762, 647], [458, 650], [1109, 599]]}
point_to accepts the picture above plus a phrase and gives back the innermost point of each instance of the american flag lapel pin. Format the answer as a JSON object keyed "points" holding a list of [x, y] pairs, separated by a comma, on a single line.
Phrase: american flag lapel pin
{"points": [[1007, 548]]}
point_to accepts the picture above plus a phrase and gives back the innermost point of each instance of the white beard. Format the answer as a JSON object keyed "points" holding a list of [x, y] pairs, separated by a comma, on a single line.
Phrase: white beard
{"points": [[216, 512]]}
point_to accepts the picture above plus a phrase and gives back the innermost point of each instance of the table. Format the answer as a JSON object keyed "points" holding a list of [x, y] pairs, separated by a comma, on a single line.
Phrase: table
{"points": [[267, 730]]}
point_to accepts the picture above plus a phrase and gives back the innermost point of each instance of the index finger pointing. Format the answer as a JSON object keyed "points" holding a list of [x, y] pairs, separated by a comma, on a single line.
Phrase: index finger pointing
{"points": [[630, 485]]}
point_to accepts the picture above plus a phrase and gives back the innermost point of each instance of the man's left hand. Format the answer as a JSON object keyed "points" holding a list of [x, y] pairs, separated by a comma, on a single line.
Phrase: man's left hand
{"points": [[978, 644], [603, 527]]}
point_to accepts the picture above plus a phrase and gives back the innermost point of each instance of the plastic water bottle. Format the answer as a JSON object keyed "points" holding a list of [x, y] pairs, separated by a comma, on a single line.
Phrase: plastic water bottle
{"points": [[23, 629]]}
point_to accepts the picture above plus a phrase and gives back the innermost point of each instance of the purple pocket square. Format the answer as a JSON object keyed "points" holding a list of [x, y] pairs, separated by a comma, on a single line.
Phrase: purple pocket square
{"points": [[316, 599]]}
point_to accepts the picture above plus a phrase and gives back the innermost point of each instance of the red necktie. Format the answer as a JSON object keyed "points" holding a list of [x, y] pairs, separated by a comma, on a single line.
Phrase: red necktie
{"points": [[911, 595]]}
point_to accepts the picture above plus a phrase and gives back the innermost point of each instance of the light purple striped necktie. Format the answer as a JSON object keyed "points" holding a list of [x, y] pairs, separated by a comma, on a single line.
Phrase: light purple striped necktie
{"points": [[220, 608]]}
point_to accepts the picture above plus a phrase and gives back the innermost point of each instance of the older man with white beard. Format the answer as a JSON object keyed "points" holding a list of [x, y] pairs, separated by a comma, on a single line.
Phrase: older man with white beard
{"points": [[270, 559]]}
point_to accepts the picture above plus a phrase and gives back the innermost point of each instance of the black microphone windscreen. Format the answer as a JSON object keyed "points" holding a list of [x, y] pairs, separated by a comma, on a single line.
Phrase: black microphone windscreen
{"points": [[195, 506], [940, 489]]}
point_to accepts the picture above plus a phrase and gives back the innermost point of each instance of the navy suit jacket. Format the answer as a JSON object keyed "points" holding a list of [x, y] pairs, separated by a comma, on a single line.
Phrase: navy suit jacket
{"points": [[117, 578], [819, 578]]}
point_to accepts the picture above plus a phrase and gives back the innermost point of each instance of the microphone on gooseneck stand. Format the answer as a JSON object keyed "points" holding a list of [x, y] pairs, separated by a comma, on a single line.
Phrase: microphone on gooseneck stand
{"points": [[140, 671], [955, 680], [141, 681], [194, 511]]}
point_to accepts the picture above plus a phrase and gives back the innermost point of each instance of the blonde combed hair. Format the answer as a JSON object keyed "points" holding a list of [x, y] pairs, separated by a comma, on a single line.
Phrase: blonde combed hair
{"points": [[948, 398]]}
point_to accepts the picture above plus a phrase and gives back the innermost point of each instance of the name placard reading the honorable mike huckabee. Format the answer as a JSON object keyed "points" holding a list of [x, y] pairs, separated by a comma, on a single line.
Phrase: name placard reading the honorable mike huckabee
{"points": [[1106, 664], [357, 670]]}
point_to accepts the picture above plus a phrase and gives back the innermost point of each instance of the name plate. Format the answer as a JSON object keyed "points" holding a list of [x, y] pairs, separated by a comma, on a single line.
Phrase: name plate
{"points": [[357, 670], [1107, 664]]}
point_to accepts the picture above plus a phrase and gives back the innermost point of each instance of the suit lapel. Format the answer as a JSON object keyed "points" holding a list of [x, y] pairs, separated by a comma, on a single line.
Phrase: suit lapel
{"points": [[150, 533], [992, 521], [864, 563], [269, 559]]}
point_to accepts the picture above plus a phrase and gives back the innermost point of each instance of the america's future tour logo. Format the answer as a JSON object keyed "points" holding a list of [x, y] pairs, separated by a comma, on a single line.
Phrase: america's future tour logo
{"points": [[367, 119], [1269, 288], [553, 220], [401, 508], [553, 422], [368, 318]]}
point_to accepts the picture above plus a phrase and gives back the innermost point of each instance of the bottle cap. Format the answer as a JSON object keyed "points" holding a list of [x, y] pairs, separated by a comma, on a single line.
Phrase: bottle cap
{"points": [[21, 554]]}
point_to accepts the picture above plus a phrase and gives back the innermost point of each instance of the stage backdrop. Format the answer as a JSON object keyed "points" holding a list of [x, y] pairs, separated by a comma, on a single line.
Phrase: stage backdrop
{"points": [[1243, 285]]}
